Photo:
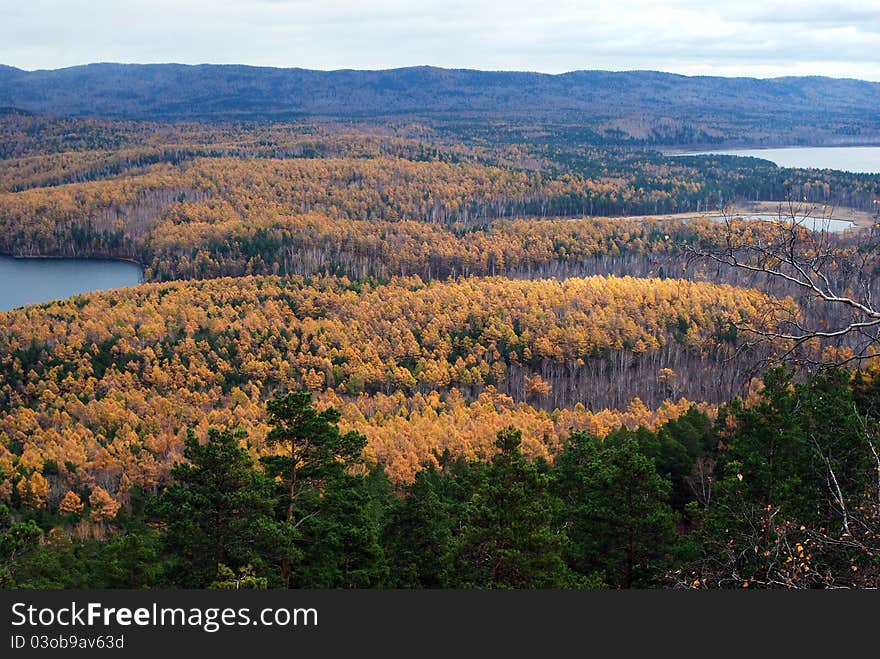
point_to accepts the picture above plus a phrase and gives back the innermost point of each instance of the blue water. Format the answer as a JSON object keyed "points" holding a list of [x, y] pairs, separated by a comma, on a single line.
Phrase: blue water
{"points": [[860, 159], [30, 281], [811, 223]]}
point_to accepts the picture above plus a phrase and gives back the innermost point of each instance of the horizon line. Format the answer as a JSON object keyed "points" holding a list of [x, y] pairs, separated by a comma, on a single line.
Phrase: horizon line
{"points": [[426, 66]]}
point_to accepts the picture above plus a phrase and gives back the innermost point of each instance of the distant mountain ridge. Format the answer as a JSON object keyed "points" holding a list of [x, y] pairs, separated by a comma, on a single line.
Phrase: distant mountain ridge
{"points": [[630, 105]]}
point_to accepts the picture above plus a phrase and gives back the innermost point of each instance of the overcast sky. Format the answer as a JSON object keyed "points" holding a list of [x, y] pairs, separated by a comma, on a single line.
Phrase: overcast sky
{"points": [[760, 38]]}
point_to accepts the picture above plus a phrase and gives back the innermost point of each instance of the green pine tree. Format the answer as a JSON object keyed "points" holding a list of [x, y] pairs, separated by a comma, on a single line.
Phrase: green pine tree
{"points": [[509, 539], [419, 534], [219, 510], [313, 458], [615, 508], [340, 544], [17, 540]]}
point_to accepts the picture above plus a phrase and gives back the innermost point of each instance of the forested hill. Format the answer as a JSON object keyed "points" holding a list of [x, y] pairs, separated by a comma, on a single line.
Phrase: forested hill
{"points": [[644, 106]]}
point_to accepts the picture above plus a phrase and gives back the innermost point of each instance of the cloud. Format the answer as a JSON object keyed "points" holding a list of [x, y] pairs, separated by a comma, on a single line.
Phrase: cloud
{"points": [[748, 37], [860, 14]]}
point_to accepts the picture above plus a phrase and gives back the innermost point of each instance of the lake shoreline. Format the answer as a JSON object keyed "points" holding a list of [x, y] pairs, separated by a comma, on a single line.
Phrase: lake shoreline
{"points": [[859, 160], [860, 219], [28, 280], [119, 259], [725, 148]]}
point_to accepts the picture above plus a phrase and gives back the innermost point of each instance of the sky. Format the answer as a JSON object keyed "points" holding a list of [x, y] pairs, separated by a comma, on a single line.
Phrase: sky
{"points": [[759, 38]]}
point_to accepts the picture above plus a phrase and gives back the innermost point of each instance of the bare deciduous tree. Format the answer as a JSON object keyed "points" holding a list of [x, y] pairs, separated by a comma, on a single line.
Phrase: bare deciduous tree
{"points": [[832, 275]]}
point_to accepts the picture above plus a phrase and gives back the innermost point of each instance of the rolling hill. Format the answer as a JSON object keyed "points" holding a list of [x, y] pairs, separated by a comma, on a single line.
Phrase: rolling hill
{"points": [[630, 106]]}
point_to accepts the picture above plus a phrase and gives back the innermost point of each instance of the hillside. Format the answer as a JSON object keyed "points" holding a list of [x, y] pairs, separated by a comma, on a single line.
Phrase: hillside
{"points": [[409, 324], [112, 380], [643, 106]]}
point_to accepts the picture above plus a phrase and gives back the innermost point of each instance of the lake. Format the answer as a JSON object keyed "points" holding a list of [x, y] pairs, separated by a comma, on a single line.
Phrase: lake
{"points": [[861, 159], [30, 281], [811, 223]]}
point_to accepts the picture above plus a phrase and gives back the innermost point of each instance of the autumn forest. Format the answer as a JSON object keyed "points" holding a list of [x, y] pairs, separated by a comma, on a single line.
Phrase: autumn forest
{"points": [[434, 352]]}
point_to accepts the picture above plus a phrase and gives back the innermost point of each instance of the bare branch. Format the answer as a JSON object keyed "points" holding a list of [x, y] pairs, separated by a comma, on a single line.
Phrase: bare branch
{"points": [[828, 277]]}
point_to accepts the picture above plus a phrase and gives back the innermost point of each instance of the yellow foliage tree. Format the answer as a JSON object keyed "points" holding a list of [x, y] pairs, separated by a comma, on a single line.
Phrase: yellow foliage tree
{"points": [[71, 503], [104, 507], [34, 490]]}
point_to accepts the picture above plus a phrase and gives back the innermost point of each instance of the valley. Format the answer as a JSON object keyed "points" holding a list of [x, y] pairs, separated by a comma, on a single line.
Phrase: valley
{"points": [[454, 300]]}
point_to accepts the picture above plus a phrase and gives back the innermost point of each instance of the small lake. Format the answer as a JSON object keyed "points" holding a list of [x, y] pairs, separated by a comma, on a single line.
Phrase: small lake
{"points": [[860, 159], [31, 281], [811, 223]]}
